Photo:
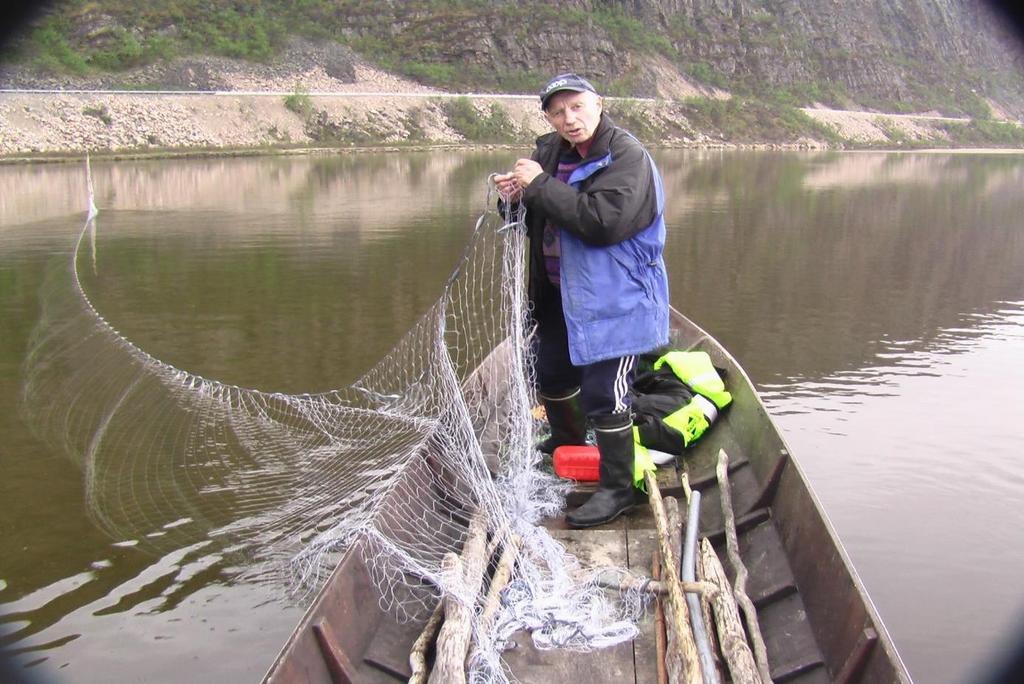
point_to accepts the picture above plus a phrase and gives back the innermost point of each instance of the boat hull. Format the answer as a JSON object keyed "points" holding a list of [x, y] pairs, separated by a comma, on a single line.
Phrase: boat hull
{"points": [[819, 624]]}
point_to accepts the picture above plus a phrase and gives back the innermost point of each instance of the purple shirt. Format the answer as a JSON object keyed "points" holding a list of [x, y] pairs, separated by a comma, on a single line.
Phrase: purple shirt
{"points": [[552, 248]]}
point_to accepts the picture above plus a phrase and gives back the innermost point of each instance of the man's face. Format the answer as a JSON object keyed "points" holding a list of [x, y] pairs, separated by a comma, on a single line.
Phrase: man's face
{"points": [[574, 115]]}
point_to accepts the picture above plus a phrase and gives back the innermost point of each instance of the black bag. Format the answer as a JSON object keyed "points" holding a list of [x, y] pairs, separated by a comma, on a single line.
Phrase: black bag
{"points": [[657, 394]]}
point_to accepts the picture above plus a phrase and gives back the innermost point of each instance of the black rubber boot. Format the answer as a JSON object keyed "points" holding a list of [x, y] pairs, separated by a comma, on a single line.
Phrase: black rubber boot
{"points": [[568, 424], [615, 493]]}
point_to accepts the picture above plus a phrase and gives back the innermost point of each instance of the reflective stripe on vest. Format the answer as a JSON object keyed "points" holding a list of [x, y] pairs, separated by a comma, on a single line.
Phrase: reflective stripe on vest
{"points": [[642, 461], [689, 420], [697, 371]]}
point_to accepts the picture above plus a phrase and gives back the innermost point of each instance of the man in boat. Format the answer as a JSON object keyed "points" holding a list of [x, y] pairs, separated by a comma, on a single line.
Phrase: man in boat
{"points": [[598, 285]]}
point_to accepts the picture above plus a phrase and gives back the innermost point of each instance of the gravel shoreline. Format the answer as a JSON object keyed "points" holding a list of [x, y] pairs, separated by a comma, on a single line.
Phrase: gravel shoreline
{"points": [[54, 125], [336, 102], [60, 123]]}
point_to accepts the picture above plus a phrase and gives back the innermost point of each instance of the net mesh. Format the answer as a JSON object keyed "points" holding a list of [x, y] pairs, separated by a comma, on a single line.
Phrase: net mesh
{"points": [[435, 435]]}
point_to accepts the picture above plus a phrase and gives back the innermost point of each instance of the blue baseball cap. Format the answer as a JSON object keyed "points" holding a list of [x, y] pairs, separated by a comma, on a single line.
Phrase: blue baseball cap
{"points": [[564, 82]]}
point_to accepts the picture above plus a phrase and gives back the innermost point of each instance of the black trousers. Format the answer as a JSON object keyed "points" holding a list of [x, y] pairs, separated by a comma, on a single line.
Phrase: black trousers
{"points": [[604, 386]]}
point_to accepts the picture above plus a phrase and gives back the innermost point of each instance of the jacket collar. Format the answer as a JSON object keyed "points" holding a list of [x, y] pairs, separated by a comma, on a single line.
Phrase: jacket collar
{"points": [[599, 148], [602, 138]]}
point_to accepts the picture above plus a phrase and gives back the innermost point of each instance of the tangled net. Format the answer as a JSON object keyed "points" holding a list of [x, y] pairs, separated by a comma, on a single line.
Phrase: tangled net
{"points": [[438, 432]]}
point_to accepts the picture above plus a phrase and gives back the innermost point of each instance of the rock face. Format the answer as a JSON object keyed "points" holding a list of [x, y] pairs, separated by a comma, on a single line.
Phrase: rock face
{"points": [[911, 55], [865, 49], [950, 57], [203, 72], [937, 52]]}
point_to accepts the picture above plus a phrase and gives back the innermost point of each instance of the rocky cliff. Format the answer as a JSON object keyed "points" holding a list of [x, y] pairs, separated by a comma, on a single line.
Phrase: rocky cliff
{"points": [[339, 73], [951, 56], [919, 54], [947, 55]]}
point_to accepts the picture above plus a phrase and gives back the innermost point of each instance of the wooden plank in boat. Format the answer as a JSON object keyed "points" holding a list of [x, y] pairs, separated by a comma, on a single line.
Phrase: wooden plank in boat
{"points": [[818, 675], [789, 640], [389, 649], [349, 604], [642, 543], [342, 611], [769, 574], [745, 489], [702, 459], [614, 664]]}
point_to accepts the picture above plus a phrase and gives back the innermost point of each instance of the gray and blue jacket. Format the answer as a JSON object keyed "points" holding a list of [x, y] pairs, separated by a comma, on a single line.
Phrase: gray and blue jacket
{"points": [[614, 287]]}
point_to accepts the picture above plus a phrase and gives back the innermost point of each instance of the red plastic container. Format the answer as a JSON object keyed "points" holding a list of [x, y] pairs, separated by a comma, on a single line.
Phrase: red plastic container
{"points": [[580, 463]]}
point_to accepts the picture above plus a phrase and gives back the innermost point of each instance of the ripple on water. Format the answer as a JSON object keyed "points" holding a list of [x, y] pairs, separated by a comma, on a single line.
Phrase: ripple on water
{"points": [[946, 402], [155, 591]]}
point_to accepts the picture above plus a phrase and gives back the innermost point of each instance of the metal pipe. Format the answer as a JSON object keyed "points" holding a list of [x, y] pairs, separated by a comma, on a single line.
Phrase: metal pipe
{"points": [[688, 571]]}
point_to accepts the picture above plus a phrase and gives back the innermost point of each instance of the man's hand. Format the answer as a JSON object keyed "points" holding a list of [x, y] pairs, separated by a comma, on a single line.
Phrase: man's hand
{"points": [[511, 184], [525, 171], [508, 188]]}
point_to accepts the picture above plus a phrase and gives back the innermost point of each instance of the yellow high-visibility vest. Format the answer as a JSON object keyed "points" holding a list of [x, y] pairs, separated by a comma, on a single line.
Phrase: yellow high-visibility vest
{"points": [[696, 370]]}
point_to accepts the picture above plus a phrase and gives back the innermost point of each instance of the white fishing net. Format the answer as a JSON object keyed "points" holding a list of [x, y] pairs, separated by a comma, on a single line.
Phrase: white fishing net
{"points": [[439, 432]]}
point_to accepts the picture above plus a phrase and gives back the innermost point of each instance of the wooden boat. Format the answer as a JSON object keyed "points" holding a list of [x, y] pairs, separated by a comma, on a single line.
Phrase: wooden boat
{"points": [[818, 623]]}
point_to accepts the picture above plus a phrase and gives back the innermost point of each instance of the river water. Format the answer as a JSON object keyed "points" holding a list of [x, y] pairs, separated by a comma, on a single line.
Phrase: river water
{"points": [[876, 299]]}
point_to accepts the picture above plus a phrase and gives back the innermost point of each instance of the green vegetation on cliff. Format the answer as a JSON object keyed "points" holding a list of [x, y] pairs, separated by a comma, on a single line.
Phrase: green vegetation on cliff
{"points": [[78, 35], [771, 59], [948, 57], [750, 120]]}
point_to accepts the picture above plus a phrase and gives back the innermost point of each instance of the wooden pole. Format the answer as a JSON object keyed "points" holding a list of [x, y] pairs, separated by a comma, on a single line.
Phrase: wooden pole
{"points": [[738, 658], [705, 608], [464, 577], [675, 526], [418, 654], [657, 587], [706, 596], [620, 582], [659, 623], [674, 659], [450, 661], [680, 615], [502, 574], [740, 570], [684, 482]]}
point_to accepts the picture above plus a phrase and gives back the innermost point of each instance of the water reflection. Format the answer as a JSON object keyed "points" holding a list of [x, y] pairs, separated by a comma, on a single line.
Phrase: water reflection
{"points": [[899, 258], [354, 190], [139, 286], [916, 457], [903, 358], [876, 298]]}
